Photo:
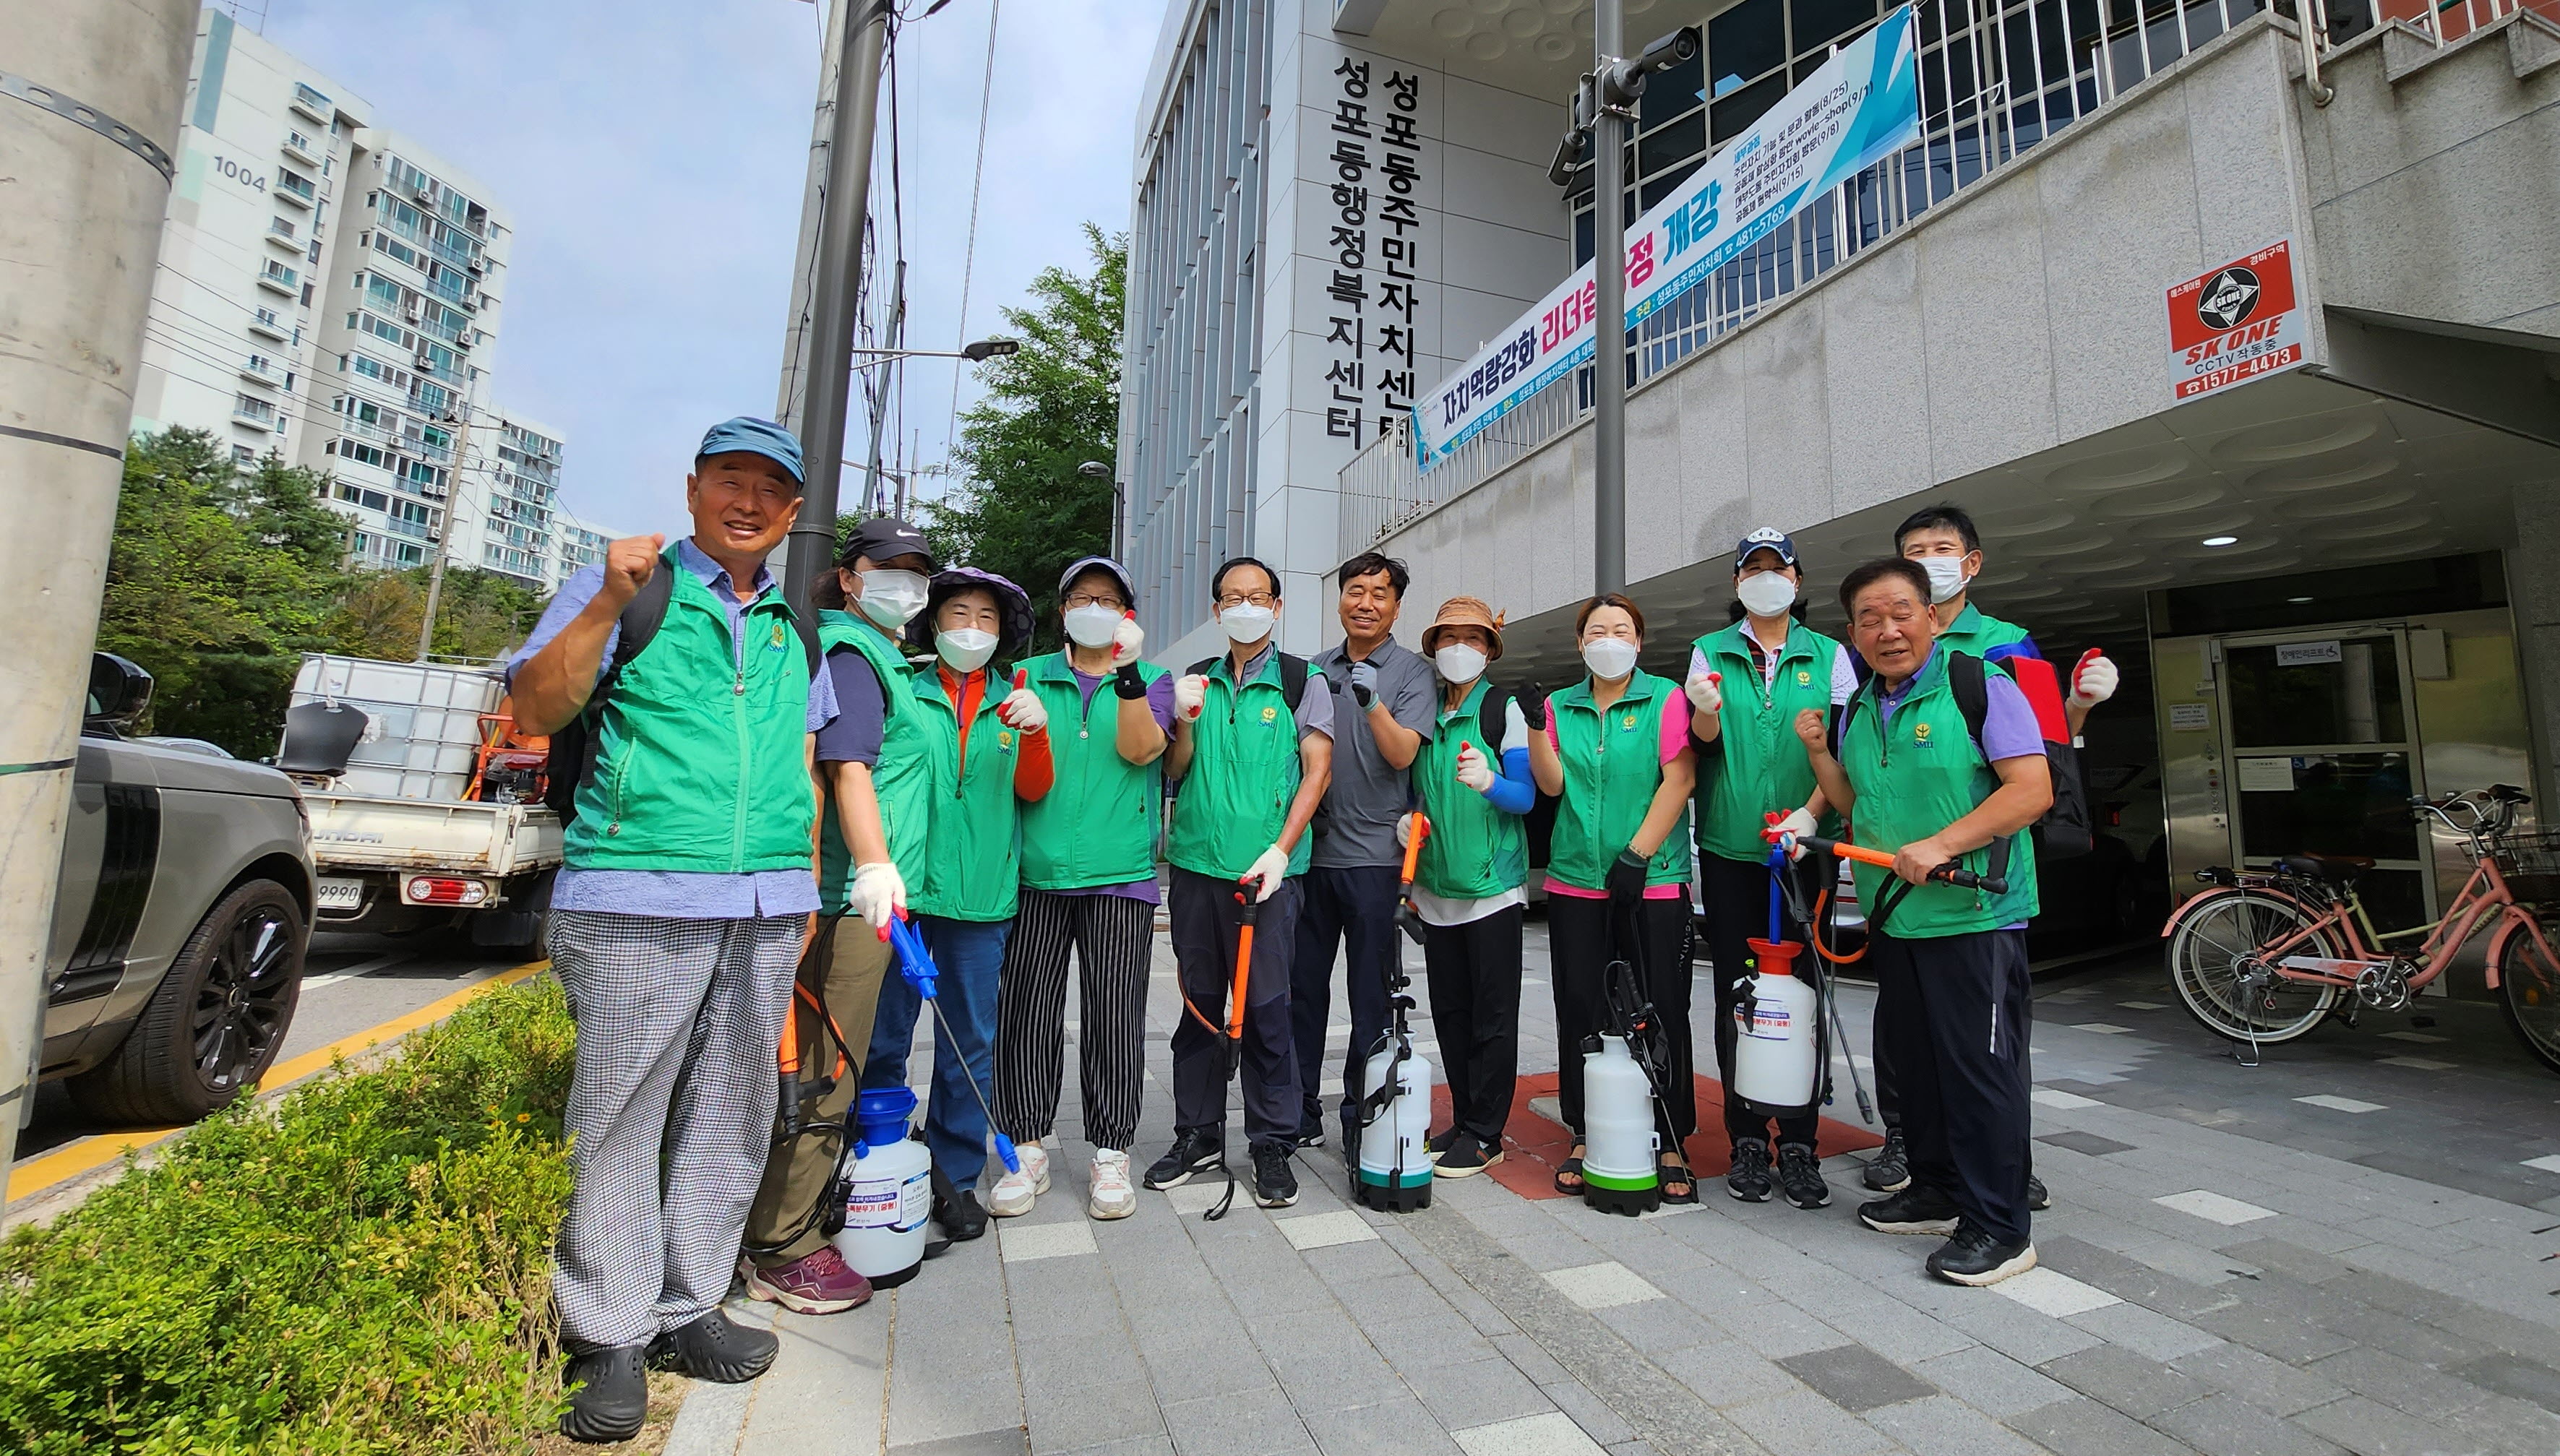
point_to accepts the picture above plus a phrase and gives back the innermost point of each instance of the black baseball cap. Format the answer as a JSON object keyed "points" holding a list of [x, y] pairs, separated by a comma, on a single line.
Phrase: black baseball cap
{"points": [[1767, 537], [886, 537]]}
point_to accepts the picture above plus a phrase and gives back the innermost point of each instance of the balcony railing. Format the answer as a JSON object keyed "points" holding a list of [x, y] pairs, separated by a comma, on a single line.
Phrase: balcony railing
{"points": [[278, 276], [266, 325], [312, 103], [1995, 81]]}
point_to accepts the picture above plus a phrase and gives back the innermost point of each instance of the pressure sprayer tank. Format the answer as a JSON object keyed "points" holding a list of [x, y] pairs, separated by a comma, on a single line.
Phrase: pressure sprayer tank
{"points": [[1619, 1141], [891, 1191], [1394, 1167], [1776, 1057]]}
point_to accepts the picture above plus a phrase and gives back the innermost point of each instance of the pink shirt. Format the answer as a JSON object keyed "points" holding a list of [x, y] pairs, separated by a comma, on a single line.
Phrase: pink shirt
{"points": [[1675, 738]]}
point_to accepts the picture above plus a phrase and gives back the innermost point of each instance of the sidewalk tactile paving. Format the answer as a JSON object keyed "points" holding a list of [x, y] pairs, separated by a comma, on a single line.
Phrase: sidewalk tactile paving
{"points": [[2336, 1103], [2206, 1203], [1603, 1285], [1046, 1240], [1552, 1434], [2051, 1293], [1322, 1230]]}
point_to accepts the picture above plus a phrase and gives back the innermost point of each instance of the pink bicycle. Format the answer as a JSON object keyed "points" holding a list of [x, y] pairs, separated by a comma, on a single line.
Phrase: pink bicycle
{"points": [[2264, 955]]}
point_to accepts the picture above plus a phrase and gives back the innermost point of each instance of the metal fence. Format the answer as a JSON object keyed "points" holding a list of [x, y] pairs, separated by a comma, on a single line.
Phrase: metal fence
{"points": [[1996, 78]]}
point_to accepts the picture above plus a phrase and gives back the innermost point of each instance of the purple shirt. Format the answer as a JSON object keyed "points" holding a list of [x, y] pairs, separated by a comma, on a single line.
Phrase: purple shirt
{"points": [[1160, 701], [2009, 728], [678, 895]]}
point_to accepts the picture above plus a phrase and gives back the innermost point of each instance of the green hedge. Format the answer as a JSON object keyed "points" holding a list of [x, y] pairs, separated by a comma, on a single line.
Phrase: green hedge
{"points": [[362, 1267]]}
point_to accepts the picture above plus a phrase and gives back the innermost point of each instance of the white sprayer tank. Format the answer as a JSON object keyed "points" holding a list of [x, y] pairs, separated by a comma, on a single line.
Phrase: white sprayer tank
{"points": [[1774, 1062], [1394, 1166], [1619, 1140], [892, 1193]]}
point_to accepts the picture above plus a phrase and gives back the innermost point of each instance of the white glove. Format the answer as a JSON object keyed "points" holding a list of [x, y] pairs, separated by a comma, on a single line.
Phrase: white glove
{"points": [[1128, 641], [2094, 681], [1403, 830], [1473, 770], [1023, 708], [1190, 695], [1704, 694], [1270, 867], [878, 894], [1791, 832]]}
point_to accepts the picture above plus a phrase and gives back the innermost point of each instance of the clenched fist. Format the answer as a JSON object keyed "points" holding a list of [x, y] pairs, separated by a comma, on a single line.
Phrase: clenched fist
{"points": [[1190, 695], [628, 566], [1473, 770], [1128, 641], [1815, 734], [1706, 692]]}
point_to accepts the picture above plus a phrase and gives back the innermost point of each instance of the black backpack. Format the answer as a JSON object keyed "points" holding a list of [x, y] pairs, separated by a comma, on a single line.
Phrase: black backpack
{"points": [[1293, 678], [2063, 831], [572, 748]]}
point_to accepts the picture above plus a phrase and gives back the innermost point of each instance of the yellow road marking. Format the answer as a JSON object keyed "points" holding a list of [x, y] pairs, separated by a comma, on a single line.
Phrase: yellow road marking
{"points": [[38, 1174]]}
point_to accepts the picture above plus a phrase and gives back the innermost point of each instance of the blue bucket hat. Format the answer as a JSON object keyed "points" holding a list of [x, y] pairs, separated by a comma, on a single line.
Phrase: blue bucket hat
{"points": [[756, 436]]}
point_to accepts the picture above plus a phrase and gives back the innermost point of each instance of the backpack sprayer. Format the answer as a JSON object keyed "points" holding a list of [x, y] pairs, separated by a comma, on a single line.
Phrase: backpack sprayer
{"points": [[1231, 1035], [1390, 1170]]}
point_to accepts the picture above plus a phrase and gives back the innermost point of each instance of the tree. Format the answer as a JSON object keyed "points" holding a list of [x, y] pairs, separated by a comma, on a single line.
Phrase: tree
{"points": [[1048, 408]]}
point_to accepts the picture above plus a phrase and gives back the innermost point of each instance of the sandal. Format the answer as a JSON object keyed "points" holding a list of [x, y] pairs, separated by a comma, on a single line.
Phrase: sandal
{"points": [[1669, 1175], [1570, 1168]]}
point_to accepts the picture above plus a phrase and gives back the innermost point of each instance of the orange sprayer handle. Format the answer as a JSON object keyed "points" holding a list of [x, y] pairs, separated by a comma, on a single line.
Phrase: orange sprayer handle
{"points": [[1413, 843]]}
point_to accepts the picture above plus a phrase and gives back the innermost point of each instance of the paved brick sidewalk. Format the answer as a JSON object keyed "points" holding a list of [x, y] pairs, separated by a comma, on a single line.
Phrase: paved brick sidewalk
{"points": [[2227, 1268]]}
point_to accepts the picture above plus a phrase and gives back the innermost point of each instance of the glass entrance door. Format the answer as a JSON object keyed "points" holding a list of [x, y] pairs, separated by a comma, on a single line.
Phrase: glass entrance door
{"points": [[2320, 756]]}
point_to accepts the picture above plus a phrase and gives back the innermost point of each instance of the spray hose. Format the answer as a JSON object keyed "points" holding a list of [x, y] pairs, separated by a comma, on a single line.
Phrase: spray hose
{"points": [[1231, 1035]]}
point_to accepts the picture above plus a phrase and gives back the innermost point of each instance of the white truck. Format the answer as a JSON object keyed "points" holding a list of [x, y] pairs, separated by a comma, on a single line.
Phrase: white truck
{"points": [[424, 814]]}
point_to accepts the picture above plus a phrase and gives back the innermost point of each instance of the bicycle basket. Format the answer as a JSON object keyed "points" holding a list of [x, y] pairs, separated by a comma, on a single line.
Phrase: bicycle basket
{"points": [[2531, 864]]}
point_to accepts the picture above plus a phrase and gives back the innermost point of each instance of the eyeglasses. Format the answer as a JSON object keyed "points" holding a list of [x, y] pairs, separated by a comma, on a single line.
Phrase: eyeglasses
{"points": [[1076, 599], [1246, 598]]}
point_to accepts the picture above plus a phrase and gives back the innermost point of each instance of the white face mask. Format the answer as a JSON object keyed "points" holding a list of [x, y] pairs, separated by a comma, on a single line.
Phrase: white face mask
{"points": [[1091, 626], [1459, 663], [965, 649], [891, 598], [1248, 623], [1609, 658], [1766, 594], [1946, 577]]}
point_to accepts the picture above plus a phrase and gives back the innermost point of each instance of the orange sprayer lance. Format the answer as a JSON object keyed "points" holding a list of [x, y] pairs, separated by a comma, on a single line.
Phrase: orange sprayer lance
{"points": [[1408, 920], [1949, 872]]}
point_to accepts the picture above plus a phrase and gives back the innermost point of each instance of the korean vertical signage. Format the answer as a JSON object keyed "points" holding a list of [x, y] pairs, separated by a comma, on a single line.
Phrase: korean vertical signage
{"points": [[1374, 243], [1859, 108]]}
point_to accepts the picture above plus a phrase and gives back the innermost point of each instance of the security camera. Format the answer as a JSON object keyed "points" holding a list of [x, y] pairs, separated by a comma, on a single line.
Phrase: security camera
{"points": [[1670, 49], [1624, 82]]}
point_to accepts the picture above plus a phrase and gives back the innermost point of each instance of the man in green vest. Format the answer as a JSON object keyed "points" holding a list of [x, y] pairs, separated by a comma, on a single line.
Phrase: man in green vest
{"points": [[1251, 772], [679, 918], [1088, 887], [871, 760], [1950, 961], [1745, 685]]}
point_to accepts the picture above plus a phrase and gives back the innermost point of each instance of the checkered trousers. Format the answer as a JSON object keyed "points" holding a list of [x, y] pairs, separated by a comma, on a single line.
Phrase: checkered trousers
{"points": [[670, 1109]]}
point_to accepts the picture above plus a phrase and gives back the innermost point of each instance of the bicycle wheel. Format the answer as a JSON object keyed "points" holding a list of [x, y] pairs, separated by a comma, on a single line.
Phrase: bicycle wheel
{"points": [[2528, 984], [2213, 961]]}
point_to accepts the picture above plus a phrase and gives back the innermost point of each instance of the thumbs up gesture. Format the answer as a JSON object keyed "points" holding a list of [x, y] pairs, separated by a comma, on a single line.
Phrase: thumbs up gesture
{"points": [[1706, 692], [1023, 708]]}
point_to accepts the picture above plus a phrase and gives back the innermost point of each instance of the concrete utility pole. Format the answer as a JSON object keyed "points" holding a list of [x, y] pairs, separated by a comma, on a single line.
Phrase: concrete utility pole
{"points": [[90, 93], [443, 538], [1609, 133], [836, 295]]}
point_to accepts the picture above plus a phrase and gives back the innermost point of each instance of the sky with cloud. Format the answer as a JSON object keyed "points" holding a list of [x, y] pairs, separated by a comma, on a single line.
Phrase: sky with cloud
{"points": [[653, 154]]}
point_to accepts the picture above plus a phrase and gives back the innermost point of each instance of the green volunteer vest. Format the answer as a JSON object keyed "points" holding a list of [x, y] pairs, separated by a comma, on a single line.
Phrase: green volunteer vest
{"points": [[1975, 634], [1474, 850], [1915, 776], [1097, 824], [701, 750], [1613, 763], [1760, 766], [902, 777], [1245, 771], [972, 867]]}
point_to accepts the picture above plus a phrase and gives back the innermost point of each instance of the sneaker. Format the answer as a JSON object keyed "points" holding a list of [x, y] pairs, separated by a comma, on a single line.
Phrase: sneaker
{"points": [[1194, 1150], [819, 1283], [1749, 1180], [1889, 1171], [1112, 1196], [1466, 1157], [608, 1394], [2037, 1200], [1439, 1143], [1974, 1257], [963, 1218], [1012, 1196], [1915, 1209], [714, 1349], [1311, 1135], [1799, 1177], [1275, 1184]]}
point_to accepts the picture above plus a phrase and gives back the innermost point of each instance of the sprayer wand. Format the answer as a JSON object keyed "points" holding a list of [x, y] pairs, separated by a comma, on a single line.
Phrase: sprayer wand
{"points": [[916, 963]]}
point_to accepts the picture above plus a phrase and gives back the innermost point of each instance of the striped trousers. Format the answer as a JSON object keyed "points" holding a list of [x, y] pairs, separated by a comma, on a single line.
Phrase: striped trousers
{"points": [[1114, 938], [670, 1111]]}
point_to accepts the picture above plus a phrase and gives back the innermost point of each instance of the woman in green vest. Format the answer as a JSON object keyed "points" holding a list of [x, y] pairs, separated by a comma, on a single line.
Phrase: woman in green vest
{"points": [[983, 749], [1471, 881], [1613, 751], [1088, 887], [1746, 684]]}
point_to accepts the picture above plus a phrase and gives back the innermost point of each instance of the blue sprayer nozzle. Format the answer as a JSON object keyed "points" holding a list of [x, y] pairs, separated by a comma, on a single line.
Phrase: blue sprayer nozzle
{"points": [[1012, 1160], [915, 962]]}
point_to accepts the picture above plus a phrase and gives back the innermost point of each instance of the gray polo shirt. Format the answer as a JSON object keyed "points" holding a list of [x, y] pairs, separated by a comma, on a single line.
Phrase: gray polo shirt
{"points": [[1356, 826]]}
